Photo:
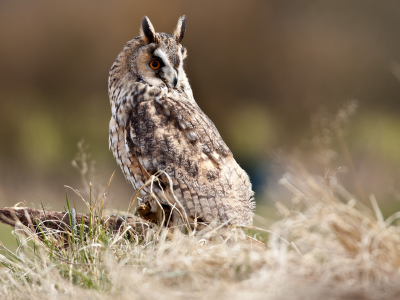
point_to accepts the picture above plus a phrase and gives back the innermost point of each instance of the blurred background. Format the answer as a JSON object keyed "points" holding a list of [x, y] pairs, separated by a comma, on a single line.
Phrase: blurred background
{"points": [[272, 75]]}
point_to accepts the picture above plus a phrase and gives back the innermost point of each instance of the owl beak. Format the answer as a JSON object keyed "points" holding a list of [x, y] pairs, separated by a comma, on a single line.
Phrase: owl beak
{"points": [[171, 76]]}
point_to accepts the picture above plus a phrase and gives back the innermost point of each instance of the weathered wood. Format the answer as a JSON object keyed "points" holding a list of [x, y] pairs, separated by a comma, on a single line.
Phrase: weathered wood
{"points": [[59, 222], [30, 217]]}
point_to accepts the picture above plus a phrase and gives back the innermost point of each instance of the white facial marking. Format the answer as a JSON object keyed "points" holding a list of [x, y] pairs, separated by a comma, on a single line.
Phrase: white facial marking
{"points": [[170, 73], [161, 54], [180, 58]]}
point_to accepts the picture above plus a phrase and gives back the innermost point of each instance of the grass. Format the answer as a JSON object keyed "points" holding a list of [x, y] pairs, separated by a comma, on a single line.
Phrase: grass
{"points": [[327, 245]]}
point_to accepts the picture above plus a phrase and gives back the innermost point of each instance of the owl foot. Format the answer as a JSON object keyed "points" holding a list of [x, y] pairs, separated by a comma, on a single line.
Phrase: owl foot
{"points": [[149, 209]]}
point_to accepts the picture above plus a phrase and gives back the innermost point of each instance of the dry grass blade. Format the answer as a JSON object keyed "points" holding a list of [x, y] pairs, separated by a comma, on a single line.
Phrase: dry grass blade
{"points": [[328, 249]]}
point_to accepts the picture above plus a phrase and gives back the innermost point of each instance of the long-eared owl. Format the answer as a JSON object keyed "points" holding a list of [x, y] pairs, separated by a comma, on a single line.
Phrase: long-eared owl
{"points": [[156, 125]]}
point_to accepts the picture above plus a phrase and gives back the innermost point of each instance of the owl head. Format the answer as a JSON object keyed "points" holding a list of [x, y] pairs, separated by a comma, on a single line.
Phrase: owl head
{"points": [[153, 58]]}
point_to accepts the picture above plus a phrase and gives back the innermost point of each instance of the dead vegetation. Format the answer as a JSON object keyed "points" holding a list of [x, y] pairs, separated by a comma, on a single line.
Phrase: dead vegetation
{"points": [[327, 245]]}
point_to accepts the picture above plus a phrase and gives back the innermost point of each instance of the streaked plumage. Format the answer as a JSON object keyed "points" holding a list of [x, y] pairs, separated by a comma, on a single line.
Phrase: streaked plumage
{"points": [[157, 125]]}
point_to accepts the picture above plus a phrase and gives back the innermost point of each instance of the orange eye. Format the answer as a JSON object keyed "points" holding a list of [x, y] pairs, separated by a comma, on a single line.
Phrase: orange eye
{"points": [[155, 64]]}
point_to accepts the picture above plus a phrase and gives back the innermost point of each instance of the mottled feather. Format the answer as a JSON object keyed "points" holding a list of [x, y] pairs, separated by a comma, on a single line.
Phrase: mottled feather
{"points": [[156, 125]]}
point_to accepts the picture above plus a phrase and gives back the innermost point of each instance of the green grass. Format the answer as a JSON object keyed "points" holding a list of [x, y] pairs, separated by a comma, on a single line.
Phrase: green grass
{"points": [[328, 246]]}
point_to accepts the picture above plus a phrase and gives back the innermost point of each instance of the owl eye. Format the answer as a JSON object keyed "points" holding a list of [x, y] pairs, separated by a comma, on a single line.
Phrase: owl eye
{"points": [[155, 64]]}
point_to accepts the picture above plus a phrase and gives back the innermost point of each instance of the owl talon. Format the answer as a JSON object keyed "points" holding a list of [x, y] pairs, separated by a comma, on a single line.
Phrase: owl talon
{"points": [[143, 209], [147, 209]]}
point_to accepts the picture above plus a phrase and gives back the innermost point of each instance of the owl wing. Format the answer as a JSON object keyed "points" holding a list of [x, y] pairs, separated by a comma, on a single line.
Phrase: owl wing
{"points": [[195, 124], [174, 135]]}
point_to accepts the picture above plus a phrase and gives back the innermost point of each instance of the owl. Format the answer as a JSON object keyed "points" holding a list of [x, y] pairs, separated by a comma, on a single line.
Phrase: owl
{"points": [[157, 128]]}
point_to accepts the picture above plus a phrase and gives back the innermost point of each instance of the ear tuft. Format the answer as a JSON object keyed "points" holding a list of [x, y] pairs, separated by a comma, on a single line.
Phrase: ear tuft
{"points": [[147, 31], [180, 29]]}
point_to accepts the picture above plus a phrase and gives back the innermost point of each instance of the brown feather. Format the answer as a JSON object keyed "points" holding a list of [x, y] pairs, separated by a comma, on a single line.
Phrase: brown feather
{"points": [[156, 128]]}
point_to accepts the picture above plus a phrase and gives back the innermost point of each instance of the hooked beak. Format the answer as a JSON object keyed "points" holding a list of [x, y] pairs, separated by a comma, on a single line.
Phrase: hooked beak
{"points": [[171, 76]]}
